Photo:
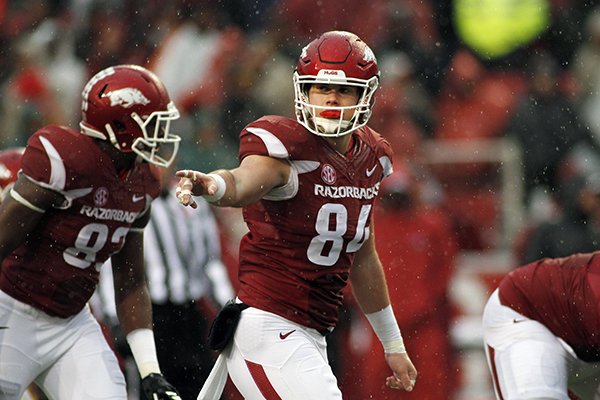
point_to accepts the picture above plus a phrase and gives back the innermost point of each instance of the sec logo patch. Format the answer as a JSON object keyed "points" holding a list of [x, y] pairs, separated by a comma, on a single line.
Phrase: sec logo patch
{"points": [[328, 174]]}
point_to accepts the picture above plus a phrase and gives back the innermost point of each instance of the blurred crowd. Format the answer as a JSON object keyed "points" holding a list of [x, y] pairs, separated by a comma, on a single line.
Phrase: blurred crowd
{"points": [[228, 62]]}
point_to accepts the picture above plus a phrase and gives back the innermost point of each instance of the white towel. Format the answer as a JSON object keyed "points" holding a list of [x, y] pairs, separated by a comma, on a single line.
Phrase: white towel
{"points": [[215, 383]]}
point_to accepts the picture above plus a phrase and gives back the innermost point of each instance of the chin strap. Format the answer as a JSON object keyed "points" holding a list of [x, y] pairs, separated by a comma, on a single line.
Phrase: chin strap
{"points": [[112, 137], [331, 126]]}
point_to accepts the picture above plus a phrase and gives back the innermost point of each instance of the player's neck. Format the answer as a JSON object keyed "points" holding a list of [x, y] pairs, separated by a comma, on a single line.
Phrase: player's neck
{"points": [[342, 144], [122, 161]]}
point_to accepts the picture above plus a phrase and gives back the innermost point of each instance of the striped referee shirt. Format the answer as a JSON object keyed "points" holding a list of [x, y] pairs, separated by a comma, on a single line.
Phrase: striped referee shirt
{"points": [[182, 257]]}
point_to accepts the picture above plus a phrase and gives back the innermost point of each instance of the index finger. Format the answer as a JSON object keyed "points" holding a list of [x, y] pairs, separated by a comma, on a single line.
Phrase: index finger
{"points": [[190, 174], [185, 173]]}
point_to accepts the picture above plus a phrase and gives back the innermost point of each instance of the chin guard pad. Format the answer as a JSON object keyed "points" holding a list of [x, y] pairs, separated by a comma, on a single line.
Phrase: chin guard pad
{"points": [[224, 325]]}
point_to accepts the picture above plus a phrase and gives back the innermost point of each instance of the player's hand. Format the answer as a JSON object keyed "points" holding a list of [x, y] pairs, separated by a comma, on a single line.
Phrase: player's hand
{"points": [[156, 387], [405, 373], [193, 183]]}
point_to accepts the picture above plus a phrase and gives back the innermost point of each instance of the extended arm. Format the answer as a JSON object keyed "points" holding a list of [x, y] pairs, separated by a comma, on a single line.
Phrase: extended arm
{"points": [[370, 290], [246, 184]]}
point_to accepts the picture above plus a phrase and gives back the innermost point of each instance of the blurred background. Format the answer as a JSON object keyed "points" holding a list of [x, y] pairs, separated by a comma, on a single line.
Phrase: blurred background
{"points": [[492, 108]]}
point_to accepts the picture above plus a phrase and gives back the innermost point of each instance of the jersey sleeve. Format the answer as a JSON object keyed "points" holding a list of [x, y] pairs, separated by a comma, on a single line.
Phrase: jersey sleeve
{"points": [[270, 136], [54, 156], [42, 166]]}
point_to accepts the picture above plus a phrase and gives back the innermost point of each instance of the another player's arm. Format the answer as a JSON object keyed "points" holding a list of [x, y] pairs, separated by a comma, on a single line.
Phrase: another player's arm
{"points": [[134, 307], [256, 176], [21, 211], [134, 310], [370, 290]]}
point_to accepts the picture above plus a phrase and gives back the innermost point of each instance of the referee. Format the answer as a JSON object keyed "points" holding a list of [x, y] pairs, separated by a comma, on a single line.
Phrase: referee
{"points": [[188, 284]]}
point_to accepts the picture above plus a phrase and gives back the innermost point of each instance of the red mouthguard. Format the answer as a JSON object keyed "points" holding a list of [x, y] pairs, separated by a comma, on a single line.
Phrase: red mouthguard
{"points": [[330, 114]]}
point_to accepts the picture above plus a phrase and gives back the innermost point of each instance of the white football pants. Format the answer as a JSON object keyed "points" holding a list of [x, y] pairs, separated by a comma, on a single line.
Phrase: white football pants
{"points": [[272, 358], [67, 357], [527, 361]]}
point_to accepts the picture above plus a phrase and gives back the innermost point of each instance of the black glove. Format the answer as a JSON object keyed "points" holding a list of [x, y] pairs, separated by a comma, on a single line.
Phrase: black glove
{"points": [[156, 387]]}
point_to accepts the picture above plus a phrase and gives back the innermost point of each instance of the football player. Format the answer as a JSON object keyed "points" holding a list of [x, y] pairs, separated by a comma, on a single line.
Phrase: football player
{"points": [[307, 187], [540, 328], [82, 196]]}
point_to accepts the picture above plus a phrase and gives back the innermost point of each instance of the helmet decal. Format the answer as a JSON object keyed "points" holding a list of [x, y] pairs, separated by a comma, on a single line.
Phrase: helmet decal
{"points": [[332, 73], [304, 52], [126, 97], [369, 55], [5, 172]]}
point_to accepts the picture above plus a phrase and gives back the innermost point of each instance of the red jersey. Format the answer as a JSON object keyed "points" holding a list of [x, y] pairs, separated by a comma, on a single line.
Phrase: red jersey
{"points": [[296, 257], [563, 294], [56, 268]]}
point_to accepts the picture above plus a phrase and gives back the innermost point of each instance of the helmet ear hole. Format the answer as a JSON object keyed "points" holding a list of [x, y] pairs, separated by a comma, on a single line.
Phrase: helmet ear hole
{"points": [[119, 126]]}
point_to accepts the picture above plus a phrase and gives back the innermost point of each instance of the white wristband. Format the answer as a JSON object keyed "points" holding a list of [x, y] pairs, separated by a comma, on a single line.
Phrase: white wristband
{"points": [[141, 343], [221, 187], [386, 328]]}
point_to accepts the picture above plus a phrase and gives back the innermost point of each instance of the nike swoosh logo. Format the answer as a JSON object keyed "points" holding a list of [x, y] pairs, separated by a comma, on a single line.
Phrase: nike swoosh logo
{"points": [[516, 321], [282, 336], [136, 198], [370, 171], [3, 327]]}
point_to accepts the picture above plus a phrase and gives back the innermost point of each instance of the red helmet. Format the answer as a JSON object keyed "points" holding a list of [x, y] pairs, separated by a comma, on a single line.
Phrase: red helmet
{"points": [[10, 163], [340, 58], [129, 106]]}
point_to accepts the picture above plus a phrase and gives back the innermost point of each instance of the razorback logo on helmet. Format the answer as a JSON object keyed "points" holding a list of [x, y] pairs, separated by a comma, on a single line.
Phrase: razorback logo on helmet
{"points": [[126, 97], [5, 173], [369, 55], [304, 52]]}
